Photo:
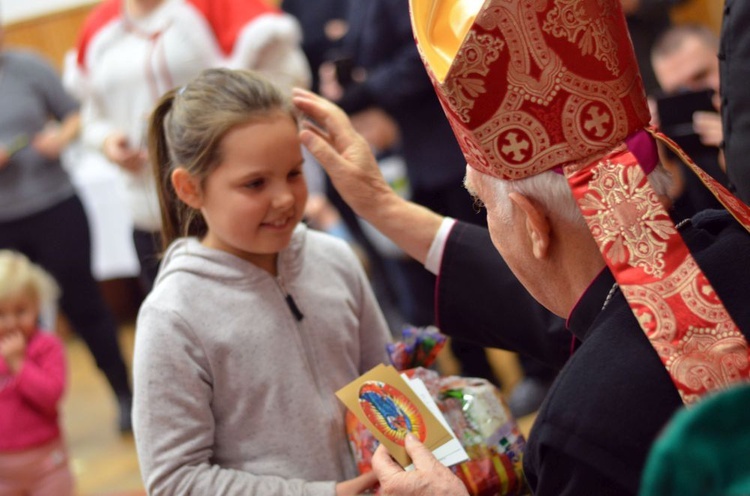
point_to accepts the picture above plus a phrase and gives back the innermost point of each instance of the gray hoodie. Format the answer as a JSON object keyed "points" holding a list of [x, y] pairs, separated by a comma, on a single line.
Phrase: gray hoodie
{"points": [[233, 389]]}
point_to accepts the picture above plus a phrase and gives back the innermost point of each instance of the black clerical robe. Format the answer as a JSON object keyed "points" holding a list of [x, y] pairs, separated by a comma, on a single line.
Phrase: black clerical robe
{"points": [[613, 395]]}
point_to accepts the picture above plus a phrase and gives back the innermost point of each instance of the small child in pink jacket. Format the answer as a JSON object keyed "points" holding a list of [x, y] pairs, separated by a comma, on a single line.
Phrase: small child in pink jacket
{"points": [[33, 459]]}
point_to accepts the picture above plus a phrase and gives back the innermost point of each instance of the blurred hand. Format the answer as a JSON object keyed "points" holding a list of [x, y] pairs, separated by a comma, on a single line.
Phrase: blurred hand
{"points": [[709, 128], [117, 149], [4, 157], [653, 109], [377, 127], [356, 486], [321, 214], [329, 84], [630, 6], [12, 349], [429, 478], [49, 143]]}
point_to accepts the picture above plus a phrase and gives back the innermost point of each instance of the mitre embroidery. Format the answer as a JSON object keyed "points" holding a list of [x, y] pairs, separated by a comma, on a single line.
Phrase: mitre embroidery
{"points": [[569, 20]]}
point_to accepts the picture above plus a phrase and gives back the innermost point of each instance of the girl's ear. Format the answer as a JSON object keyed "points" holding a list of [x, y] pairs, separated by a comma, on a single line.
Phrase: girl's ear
{"points": [[187, 188]]}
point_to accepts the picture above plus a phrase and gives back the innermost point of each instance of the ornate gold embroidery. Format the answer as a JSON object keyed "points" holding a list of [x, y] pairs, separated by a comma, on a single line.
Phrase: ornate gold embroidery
{"points": [[569, 18], [706, 355], [626, 217], [467, 81], [709, 360]]}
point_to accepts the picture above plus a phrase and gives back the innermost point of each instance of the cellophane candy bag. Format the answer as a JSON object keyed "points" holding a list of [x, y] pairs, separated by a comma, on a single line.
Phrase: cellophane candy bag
{"points": [[473, 408]]}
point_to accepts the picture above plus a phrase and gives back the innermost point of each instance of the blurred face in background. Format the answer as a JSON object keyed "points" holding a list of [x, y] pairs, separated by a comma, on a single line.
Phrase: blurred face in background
{"points": [[693, 66], [19, 312]]}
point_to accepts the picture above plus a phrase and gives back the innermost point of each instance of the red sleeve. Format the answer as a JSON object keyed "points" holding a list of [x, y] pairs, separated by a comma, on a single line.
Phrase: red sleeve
{"points": [[228, 17], [97, 18], [41, 380]]}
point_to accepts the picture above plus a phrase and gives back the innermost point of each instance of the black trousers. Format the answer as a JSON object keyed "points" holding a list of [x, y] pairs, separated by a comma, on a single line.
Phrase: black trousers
{"points": [[148, 248], [59, 240]]}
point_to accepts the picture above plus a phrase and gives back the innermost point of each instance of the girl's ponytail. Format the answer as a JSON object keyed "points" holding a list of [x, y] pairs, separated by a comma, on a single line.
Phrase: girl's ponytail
{"points": [[161, 160]]}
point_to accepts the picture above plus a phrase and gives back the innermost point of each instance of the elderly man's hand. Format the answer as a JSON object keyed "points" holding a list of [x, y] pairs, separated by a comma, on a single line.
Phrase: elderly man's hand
{"points": [[429, 478], [343, 153]]}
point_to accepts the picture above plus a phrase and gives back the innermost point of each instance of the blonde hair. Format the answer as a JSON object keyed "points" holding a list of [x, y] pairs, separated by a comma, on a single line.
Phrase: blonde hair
{"points": [[18, 274], [186, 129]]}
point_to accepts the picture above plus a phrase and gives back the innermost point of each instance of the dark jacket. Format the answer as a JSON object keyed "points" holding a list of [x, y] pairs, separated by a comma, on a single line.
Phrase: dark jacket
{"points": [[380, 40], [734, 64]]}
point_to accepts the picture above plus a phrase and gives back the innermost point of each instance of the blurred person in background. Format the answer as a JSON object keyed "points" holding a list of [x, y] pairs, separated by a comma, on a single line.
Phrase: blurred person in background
{"points": [[646, 20], [685, 60], [33, 457], [734, 68], [41, 214], [166, 43]]}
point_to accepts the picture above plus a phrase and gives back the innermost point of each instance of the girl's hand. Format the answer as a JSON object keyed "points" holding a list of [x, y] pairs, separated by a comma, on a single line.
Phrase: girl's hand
{"points": [[356, 486], [13, 349]]}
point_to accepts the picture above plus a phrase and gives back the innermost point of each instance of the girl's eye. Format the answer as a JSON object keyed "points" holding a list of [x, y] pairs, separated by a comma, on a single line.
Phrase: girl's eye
{"points": [[295, 174], [255, 184]]}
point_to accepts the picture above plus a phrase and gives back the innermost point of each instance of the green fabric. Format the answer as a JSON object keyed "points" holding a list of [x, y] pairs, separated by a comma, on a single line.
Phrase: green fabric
{"points": [[704, 451]]}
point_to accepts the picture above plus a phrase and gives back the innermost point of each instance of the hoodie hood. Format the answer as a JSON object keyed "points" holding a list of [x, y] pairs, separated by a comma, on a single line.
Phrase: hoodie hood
{"points": [[190, 255]]}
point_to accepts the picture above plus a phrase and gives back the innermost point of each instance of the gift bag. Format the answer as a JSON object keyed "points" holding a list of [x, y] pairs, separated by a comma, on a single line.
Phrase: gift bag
{"points": [[473, 408]]}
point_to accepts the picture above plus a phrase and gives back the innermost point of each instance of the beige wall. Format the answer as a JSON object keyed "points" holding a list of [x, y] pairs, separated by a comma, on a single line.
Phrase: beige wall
{"points": [[51, 35], [707, 12]]}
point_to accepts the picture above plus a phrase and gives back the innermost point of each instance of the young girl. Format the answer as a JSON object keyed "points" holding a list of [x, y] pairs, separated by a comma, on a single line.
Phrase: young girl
{"points": [[33, 459], [254, 321]]}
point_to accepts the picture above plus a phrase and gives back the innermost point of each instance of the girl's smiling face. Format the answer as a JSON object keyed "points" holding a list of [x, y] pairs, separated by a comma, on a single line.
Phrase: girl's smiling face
{"points": [[255, 197]]}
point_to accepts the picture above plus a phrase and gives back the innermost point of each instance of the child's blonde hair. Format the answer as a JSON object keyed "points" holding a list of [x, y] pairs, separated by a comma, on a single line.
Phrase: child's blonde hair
{"points": [[18, 274]]}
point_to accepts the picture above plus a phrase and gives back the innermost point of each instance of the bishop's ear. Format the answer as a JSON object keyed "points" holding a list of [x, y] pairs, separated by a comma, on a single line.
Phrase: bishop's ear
{"points": [[536, 223], [187, 188]]}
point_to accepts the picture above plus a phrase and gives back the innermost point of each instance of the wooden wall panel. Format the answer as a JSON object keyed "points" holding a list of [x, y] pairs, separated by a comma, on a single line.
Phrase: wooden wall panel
{"points": [[50, 35], [707, 12]]}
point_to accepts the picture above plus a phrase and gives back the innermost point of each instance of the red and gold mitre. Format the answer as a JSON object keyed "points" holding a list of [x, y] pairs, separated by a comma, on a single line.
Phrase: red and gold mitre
{"points": [[528, 85], [534, 85]]}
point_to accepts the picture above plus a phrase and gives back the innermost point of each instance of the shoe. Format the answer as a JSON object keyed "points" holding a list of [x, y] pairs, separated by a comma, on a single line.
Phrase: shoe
{"points": [[125, 404], [527, 396]]}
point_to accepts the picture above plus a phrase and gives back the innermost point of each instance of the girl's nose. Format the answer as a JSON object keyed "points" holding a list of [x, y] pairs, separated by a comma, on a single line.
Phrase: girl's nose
{"points": [[283, 198]]}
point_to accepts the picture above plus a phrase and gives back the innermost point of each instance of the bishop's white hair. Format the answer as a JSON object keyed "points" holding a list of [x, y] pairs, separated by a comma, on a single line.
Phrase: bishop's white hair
{"points": [[552, 191]]}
